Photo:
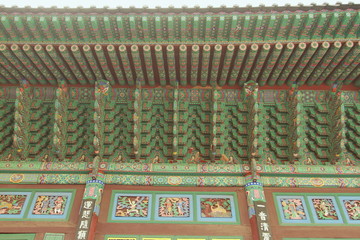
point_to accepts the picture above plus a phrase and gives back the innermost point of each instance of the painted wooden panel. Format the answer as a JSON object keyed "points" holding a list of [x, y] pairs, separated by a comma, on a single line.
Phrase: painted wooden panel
{"points": [[13, 204], [177, 207]]}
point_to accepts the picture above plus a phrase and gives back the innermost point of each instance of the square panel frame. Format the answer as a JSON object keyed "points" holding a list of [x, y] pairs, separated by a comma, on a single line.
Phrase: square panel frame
{"points": [[234, 209], [24, 208], [114, 205], [312, 209], [64, 216], [281, 213], [175, 195], [343, 208]]}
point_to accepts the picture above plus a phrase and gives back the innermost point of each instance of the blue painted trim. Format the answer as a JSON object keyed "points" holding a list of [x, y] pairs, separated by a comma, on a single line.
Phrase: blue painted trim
{"points": [[316, 220], [113, 217], [25, 206], [95, 181], [47, 216], [253, 183], [216, 219], [159, 218], [282, 215]]}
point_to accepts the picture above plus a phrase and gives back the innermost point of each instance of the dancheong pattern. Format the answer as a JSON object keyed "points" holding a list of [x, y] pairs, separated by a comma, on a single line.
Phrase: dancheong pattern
{"points": [[12, 204], [321, 209], [293, 208], [132, 206], [182, 126], [215, 207], [174, 207], [325, 209], [353, 209], [49, 205], [163, 207]]}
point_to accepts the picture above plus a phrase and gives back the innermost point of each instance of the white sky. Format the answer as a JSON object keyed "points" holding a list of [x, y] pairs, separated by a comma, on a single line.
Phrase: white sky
{"points": [[162, 3]]}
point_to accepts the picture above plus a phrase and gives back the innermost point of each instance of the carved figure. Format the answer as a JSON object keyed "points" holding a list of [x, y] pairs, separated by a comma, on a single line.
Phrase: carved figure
{"points": [[215, 207], [353, 209], [11, 204], [270, 161], [180, 206], [45, 158], [9, 157], [325, 209], [293, 208], [132, 206], [82, 158], [119, 158], [309, 161], [156, 159], [174, 207], [225, 159], [218, 208], [195, 158], [349, 162]]}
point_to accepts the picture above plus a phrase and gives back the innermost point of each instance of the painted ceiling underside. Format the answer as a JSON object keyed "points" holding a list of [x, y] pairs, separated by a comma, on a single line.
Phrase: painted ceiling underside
{"points": [[217, 47], [76, 104], [179, 125]]}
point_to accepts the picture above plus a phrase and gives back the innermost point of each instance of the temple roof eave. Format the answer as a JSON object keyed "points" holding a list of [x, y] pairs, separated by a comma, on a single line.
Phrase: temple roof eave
{"points": [[184, 9]]}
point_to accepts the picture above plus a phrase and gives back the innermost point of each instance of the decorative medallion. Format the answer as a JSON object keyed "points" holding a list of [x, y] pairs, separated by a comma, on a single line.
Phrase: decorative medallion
{"points": [[317, 182], [174, 180], [16, 178]]}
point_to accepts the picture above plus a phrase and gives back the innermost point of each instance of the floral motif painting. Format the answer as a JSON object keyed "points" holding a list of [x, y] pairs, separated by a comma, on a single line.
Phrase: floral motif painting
{"points": [[12, 204], [49, 205], [132, 206], [351, 208], [215, 207], [174, 207], [325, 209], [293, 208]]}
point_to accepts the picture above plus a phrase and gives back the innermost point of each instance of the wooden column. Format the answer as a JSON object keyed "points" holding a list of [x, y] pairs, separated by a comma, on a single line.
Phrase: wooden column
{"points": [[90, 207], [257, 208]]}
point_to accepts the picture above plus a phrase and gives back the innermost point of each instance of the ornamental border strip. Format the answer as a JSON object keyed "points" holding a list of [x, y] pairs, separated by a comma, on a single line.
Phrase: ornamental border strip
{"points": [[32, 167], [174, 237]]}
